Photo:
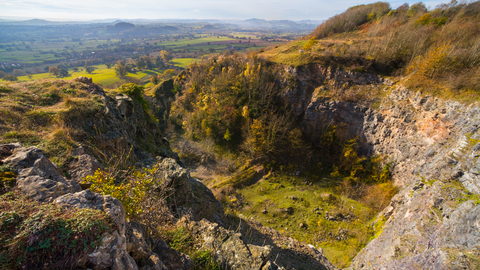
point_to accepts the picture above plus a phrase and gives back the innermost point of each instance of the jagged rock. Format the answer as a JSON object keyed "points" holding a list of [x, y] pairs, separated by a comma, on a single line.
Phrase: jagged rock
{"points": [[89, 199], [152, 253], [81, 166], [171, 258], [113, 251], [112, 254], [125, 105], [90, 86], [6, 150], [229, 249], [427, 229], [189, 194], [38, 177]]}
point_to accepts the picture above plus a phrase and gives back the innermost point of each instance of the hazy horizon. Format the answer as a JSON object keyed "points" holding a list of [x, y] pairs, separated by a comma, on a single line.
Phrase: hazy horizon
{"points": [[87, 10]]}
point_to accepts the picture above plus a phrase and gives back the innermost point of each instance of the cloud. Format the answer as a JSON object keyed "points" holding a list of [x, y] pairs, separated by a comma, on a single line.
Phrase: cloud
{"points": [[186, 9]]}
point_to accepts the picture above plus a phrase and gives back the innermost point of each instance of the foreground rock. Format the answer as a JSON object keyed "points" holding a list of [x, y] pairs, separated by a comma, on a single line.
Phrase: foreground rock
{"points": [[152, 253], [38, 177], [429, 227], [113, 251], [189, 196], [229, 249]]}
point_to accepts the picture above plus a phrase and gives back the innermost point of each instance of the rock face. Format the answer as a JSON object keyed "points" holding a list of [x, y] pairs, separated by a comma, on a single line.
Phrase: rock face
{"points": [[424, 136], [122, 127], [229, 249], [81, 165], [301, 82], [434, 222], [190, 196], [113, 251], [38, 177], [429, 227]]}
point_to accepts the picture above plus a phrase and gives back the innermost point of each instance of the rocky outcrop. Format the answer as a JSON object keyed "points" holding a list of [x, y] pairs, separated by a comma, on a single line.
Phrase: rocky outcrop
{"points": [[189, 196], [90, 86], [424, 136], [430, 226], [81, 165], [113, 251], [152, 253], [229, 249], [37, 177], [300, 83], [123, 128]]}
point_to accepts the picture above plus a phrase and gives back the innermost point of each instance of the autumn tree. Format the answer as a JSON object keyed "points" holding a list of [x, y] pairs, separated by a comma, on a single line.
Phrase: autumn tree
{"points": [[158, 62], [120, 71], [18, 72], [168, 74], [311, 42], [154, 80], [140, 64], [63, 72], [166, 56], [148, 62], [54, 71], [89, 69]]}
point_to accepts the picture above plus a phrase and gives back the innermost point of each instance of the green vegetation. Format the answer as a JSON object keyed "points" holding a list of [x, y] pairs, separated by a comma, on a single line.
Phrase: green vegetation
{"points": [[45, 236], [47, 113], [182, 240], [183, 62], [315, 213], [101, 75], [131, 190]]}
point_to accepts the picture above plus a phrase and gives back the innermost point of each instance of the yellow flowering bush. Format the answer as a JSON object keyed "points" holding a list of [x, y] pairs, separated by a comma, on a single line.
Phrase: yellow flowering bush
{"points": [[131, 189]]}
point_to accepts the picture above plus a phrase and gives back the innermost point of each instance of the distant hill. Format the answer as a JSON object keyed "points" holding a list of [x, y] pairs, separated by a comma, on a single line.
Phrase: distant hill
{"points": [[278, 24]]}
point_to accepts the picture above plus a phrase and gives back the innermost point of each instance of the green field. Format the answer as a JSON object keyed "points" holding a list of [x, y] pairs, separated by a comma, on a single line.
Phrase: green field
{"points": [[100, 75], [183, 62], [40, 51], [186, 41]]}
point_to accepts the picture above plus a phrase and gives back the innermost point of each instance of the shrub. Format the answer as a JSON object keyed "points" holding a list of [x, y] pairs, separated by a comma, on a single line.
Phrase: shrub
{"points": [[351, 19], [135, 92], [131, 189], [10, 78], [182, 240]]}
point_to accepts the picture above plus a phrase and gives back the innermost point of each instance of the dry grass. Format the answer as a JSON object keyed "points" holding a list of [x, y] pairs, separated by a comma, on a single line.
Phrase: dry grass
{"points": [[44, 236], [46, 113]]}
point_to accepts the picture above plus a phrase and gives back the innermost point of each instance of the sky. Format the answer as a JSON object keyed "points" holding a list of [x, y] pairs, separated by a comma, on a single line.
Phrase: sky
{"points": [[83, 10]]}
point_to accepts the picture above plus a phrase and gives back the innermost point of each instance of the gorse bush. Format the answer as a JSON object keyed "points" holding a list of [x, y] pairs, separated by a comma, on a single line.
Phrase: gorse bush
{"points": [[131, 189]]}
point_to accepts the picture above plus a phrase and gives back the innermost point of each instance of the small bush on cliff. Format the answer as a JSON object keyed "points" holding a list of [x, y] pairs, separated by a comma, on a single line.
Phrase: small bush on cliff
{"points": [[137, 92], [130, 188], [44, 236], [182, 240]]}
